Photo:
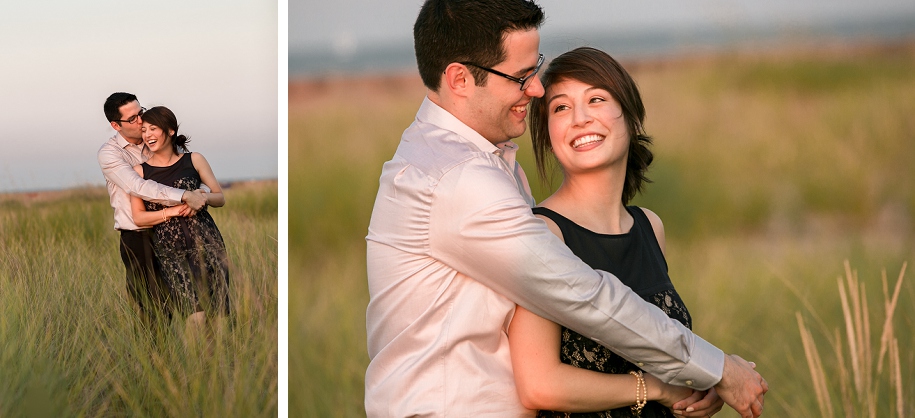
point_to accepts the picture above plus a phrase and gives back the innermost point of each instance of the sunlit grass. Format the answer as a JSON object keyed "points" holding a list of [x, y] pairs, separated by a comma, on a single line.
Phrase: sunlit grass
{"points": [[770, 171], [867, 362], [73, 344]]}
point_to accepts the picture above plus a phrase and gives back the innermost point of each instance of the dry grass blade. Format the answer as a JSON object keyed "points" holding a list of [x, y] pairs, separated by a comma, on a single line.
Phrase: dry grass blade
{"points": [[897, 378], [816, 369], [890, 307], [850, 335]]}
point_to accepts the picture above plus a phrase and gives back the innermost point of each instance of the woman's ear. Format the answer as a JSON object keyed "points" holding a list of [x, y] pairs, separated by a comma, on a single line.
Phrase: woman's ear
{"points": [[171, 133]]}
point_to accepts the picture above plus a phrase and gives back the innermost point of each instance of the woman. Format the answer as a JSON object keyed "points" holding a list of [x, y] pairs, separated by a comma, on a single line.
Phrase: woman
{"points": [[191, 252], [590, 119]]}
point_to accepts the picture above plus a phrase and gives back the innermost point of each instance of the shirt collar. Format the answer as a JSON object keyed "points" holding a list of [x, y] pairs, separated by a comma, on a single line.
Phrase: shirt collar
{"points": [[124, 143], [429, 112]]}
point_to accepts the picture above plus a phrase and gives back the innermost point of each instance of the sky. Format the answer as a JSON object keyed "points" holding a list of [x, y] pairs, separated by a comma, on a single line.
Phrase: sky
{"points": [[348, 24], [214, 63]]}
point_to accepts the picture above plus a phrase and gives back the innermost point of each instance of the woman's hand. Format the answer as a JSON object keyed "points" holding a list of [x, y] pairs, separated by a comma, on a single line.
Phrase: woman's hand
{"points": [[700, 404], [664, 393], [179, 210]]}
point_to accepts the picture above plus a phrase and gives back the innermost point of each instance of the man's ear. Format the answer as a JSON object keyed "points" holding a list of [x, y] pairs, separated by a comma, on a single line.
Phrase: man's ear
{"points": [[457, 79], [116, 126]]}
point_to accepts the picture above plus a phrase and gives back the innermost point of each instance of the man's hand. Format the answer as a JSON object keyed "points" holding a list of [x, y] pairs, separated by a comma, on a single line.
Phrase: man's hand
{"points": [[195, 199], [741, 387]]}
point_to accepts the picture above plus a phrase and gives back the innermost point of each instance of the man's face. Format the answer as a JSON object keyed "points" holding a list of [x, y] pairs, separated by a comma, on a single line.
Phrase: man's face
{"points": [[130, 131], [498, 109]]}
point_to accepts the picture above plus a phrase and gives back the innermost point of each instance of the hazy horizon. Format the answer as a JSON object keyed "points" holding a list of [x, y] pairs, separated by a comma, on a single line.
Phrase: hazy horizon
{"points": [[329, 37]]}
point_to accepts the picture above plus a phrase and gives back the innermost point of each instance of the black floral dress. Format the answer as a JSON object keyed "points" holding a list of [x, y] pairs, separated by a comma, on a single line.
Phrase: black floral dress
{"points": [[636, 259], [191, 252]]}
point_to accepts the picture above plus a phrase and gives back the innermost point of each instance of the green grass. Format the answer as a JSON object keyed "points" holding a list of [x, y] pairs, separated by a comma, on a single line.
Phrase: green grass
{"points": [[73, 345], [770, 172]]}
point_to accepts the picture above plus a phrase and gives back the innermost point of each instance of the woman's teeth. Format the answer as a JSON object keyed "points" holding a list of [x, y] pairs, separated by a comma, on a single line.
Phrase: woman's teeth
{"points": [[585, 140]]}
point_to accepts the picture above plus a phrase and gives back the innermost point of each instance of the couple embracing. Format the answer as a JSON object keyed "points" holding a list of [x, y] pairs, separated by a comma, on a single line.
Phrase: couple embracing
{"points": [[483, 306], [173, 253]]}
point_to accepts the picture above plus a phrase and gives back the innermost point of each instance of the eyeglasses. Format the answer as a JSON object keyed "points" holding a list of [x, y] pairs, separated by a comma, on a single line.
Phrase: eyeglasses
{"points": [[133, 118], [523, 81]]}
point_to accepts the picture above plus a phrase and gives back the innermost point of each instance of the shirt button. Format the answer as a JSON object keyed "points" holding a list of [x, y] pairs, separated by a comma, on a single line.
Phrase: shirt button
{"points": [[689, 383], [640, 364]]}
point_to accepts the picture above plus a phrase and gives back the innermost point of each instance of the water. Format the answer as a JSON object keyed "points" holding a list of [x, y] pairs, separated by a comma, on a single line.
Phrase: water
{"points": [[399, 57]]}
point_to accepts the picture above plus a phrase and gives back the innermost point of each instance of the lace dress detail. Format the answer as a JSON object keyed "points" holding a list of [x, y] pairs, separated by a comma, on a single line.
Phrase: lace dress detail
{"points": [[190, 250], [636, 259]]}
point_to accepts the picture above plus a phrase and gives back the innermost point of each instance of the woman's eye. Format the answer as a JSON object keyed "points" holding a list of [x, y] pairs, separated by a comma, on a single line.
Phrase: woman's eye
{"points": [[597, 99], [560, 108]]}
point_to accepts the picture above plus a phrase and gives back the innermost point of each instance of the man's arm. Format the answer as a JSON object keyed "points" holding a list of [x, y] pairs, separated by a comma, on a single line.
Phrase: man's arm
{"points": [[484, 229], [119, 172]]}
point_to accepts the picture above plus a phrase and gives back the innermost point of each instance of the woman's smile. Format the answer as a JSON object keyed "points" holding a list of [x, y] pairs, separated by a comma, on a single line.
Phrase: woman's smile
{"points": [[582, 143]]}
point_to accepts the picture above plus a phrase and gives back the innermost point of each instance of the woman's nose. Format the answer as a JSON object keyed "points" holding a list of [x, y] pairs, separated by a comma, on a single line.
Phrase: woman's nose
{"points": [[581, 115]]}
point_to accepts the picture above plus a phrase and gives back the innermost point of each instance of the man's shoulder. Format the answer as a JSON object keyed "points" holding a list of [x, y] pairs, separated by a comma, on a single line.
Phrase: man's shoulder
{"points": [[111, 153], [111, 144], [437, 151]]}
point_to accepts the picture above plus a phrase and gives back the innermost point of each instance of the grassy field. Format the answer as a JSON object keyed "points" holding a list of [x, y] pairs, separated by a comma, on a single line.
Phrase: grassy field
{"points": [[771, 171], [72, 344]]}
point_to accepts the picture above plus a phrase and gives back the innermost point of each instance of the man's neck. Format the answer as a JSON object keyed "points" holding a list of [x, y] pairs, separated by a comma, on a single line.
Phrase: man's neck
{"points": [[459, 110]]}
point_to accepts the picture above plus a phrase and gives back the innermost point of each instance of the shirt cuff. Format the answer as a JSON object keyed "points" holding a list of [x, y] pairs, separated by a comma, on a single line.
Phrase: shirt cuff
{"points": [[175, 195], [704, 368]]}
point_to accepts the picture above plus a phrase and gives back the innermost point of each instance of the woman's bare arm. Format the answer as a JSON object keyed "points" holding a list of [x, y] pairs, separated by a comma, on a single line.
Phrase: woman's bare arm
{"points": [[215, 197], [544, 382], [146, 219]]}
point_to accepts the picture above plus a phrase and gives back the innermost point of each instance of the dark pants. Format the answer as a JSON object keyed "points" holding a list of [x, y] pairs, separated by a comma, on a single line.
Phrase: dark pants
{"points": [[144, 277]]}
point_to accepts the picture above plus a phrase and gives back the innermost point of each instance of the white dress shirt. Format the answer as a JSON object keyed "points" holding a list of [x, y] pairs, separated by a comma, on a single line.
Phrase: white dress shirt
{"points": [[451, 247], [117, 157]]}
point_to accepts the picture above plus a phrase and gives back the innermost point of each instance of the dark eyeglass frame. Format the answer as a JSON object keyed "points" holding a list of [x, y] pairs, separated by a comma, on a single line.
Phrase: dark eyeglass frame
{"points": [[523, 81], [133, 118]]}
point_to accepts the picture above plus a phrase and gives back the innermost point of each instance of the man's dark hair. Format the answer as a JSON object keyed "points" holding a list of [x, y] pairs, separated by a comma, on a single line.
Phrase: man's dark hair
{"points": [[595, 68], [448, 31], [113, 105]]}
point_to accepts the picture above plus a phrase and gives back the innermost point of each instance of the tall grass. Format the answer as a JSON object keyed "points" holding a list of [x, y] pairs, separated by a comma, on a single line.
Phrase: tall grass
{"points": [[769, 169], [73, 344], [862, 376]]}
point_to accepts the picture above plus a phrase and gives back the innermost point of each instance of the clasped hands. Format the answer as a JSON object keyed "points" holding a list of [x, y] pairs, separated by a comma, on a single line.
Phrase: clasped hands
{"points": [[193, 202], [741, 387]]}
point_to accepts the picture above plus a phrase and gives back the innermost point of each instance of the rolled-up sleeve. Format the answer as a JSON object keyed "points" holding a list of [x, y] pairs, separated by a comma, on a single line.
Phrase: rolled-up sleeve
{"points": [[483, 228], [122, 174]]}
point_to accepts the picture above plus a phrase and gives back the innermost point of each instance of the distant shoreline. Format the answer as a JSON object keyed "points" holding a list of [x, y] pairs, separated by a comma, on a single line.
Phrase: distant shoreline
{"points": [[304, 88], [35, 196], [393, 57]]}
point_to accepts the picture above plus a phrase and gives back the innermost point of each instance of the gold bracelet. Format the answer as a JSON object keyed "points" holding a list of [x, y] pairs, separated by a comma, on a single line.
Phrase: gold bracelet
{"points": [[164, 216], [641, 393]]}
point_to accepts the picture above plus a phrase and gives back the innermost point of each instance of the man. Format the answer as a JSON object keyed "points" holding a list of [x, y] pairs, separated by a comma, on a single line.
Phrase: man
{"points": [[116, 158], [453, 245]]}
